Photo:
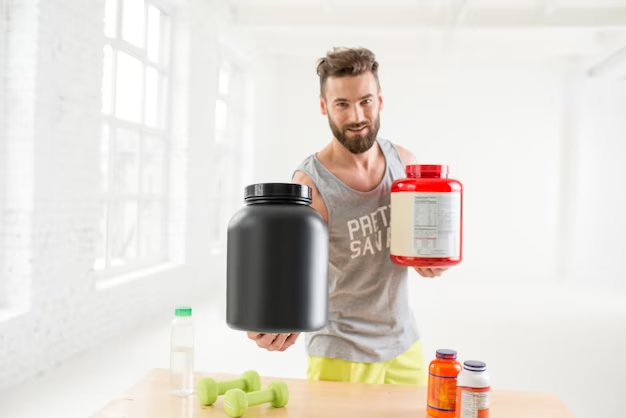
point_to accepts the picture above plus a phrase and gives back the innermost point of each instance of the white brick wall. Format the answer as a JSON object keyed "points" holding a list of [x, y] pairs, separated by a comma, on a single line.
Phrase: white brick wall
{"points": [[50, 217], [3, 152], [20, 80]]}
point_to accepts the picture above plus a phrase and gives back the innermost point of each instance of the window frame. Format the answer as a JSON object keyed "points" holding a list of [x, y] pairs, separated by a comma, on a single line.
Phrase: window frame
{"points": [[109, 118]]}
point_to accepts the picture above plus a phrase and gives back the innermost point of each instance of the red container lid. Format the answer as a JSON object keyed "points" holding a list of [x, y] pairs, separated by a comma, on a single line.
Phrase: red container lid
{"points": [[427, 168]]}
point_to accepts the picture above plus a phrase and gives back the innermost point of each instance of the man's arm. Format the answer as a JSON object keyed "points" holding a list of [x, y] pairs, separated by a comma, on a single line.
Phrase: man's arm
{"points": [[317, 202]]}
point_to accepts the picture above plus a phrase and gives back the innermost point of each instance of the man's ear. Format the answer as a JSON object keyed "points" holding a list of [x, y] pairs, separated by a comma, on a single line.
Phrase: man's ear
{"points": [[323, 107], [380, 101]]}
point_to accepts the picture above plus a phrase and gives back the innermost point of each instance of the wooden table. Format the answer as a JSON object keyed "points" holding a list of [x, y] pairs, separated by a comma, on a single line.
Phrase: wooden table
{"points": [[150, 398]]}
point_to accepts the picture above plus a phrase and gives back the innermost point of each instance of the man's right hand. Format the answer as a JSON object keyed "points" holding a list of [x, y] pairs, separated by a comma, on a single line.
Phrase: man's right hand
{"points": [[274, 342]]}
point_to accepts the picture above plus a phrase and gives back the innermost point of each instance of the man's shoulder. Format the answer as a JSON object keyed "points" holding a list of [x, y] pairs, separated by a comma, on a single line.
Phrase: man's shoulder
{"points": [[307, 160], [306, 166], [406, 155], [306, 172], [303, 177]]}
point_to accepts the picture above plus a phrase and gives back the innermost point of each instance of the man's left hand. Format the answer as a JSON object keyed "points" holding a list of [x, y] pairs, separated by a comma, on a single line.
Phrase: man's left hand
{"points": [[430, 272]]}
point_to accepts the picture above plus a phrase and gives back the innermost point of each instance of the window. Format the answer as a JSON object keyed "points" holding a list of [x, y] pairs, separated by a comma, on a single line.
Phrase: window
{"points": [[134, 144], [230, 121]]}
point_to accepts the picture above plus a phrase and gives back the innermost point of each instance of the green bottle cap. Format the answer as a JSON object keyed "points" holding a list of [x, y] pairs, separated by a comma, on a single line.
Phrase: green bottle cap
{"points": [[183, 311]]}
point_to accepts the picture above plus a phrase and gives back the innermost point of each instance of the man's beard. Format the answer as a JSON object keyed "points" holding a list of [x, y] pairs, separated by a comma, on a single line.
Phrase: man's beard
{"points": [[356, 144]]}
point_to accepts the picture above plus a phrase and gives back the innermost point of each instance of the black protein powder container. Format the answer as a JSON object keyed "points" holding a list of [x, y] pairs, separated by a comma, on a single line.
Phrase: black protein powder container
{"points": [[277, 262]]}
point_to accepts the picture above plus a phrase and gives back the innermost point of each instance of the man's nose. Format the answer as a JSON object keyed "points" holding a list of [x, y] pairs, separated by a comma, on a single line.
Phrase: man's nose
{"points": [[357, 115]]}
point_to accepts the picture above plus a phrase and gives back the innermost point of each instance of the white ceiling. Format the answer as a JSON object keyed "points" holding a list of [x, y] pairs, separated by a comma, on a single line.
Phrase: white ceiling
{"points": [[558, 27], [475, 4], [470, 14]]}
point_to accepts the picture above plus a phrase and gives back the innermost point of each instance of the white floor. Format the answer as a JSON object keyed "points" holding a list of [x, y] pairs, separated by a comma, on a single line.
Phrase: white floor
{"points": [[566, 342]]}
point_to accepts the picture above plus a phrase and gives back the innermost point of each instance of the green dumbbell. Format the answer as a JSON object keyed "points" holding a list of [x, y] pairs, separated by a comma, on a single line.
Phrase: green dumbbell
{"points": [[236, 401], [208, 389]]}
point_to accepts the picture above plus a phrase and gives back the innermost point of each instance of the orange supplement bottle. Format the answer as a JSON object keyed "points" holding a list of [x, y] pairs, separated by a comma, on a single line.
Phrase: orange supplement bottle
{"points": [[442, 379]]}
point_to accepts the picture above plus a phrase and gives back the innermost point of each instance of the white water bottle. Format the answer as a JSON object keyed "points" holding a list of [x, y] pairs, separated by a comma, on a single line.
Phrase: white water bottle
{"points": [[181, 353]]}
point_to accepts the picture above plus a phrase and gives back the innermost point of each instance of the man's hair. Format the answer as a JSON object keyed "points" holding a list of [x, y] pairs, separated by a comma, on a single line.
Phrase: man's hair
{"points": [[346, 62]]}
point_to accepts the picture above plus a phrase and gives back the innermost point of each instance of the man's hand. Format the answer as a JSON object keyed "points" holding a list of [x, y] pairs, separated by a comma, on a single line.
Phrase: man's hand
{"points": [[274, 342], [430, 272]]}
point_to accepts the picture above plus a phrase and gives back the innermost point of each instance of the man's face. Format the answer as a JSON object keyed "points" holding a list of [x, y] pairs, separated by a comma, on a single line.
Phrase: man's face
{"points": [[352, 105]]}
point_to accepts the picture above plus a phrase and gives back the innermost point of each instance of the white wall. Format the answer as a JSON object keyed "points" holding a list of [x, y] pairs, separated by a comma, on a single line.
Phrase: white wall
{"points": [[539, 149], [496, 122], [499, 111], [4, 297], [600, 200], [50, 215]]}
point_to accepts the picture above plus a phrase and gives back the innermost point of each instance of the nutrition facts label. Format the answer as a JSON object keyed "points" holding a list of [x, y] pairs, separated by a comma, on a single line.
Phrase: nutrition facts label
{"points": [[474, 404], [436, 224]]}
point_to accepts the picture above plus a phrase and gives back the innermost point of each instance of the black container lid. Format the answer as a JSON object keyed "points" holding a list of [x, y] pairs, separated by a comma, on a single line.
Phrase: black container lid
{"points": [[474, 365], [446, 354], [298, 193]]}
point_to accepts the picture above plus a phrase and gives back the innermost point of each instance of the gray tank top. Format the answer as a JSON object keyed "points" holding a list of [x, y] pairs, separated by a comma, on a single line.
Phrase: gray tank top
{"points": [[369, 315]]}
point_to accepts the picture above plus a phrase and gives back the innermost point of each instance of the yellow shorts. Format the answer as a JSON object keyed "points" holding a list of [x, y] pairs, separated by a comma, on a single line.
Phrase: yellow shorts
{"points": [[406, 369]]}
